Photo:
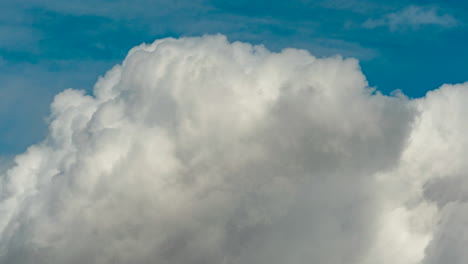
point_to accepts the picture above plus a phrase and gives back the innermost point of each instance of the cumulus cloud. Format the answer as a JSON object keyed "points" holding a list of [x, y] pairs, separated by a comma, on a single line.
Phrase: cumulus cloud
{"points": [[197, 150], [413, 17]]}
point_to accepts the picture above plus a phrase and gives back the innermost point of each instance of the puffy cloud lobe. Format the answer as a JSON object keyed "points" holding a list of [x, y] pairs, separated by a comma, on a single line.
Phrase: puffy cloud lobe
{"points": [[196, 150]]}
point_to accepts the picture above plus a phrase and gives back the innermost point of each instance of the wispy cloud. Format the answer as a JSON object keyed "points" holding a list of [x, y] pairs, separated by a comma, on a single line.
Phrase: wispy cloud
{"points": [[413, 17]]}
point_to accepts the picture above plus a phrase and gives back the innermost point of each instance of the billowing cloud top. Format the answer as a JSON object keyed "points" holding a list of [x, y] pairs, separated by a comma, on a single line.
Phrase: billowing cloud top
{"points": [[197, 150]]}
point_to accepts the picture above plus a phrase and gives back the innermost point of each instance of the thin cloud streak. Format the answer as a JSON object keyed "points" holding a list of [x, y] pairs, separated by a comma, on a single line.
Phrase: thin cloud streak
{"points": [[413, 17]]}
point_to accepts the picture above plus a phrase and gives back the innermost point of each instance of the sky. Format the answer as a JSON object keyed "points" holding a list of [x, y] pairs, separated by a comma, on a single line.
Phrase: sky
{"points": [[49, 46], [233, 132]]}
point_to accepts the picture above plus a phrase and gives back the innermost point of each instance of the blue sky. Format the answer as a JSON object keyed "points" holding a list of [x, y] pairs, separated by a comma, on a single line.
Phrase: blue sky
{"points": [[48, 46]]}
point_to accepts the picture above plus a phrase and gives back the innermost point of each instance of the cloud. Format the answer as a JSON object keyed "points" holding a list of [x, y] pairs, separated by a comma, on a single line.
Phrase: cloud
{"points": [[197, 150], [24, 89], [413, 17]]}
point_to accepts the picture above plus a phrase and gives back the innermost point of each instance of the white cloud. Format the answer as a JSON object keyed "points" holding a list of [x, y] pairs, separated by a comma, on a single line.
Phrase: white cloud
{"points": [[413, 17], [196, 150]]}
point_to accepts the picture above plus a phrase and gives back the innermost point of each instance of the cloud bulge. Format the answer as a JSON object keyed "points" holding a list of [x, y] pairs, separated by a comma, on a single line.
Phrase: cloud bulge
{"points": [[198, 150]]}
